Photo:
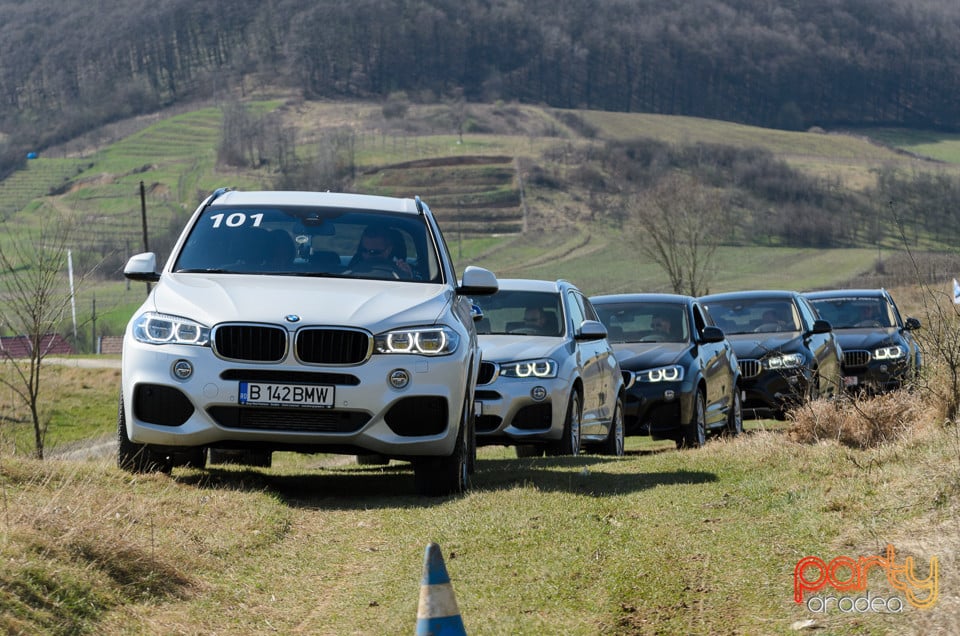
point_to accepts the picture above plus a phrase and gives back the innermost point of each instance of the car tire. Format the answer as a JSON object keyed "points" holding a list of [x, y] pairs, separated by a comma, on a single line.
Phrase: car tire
{"points": [[372, 460], [614, 444], [734, 424], [529, 450], [132, 457], [445, 476], [569, 443], [695, 432]]}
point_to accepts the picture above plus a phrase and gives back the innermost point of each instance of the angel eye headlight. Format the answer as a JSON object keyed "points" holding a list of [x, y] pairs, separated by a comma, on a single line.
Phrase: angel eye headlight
{"points": [[541, 368], [424, 341], [889, 353], [672, 373], [154, 328], [786, 361]]}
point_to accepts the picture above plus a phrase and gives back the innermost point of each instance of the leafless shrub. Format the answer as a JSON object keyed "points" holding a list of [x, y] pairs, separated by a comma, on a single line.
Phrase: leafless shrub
{"points": [[860, 422]]}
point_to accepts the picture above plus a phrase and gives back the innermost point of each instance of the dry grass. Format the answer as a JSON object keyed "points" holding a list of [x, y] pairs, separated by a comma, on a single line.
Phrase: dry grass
{"points": [[860, 422]]}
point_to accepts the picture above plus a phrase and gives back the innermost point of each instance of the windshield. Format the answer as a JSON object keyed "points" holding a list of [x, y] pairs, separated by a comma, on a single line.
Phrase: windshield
{"points": [[300, 241], [644, 322], [760, 315], [853, 313], [520, 312]]}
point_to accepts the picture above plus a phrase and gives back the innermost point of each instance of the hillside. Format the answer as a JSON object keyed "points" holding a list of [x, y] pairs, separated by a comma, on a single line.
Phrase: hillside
{"points": [[525, 191], [776, 64]]}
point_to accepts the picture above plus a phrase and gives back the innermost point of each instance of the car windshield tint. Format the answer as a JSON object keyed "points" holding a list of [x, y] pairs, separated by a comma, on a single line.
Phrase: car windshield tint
{"points": [[644, 322], [520, 313], [854, 313], [754, 315], [298, 241]]}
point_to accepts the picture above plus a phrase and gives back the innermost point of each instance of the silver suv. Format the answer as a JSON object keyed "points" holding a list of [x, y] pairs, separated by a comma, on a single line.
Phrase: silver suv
{"points": [[307, 322]]}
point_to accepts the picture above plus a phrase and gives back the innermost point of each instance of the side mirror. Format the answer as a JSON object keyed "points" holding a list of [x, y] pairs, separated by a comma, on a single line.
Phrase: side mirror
{"points": [[142, 267], [476, 312], [712, 334], [821, 326], [591, 330], [911, 324], [477, 281]]}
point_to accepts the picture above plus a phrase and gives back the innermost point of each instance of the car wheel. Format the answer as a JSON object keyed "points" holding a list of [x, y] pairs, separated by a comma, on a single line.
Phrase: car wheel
{"points": [[131, 457], [569, 444], [735, 415], [615, 442], [695, 432], [443, 476], [529, 450], [372, 460]]}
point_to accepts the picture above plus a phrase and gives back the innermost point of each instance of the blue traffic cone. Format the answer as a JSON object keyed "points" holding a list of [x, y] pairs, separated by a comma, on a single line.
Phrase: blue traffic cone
{"points": [[437, 614]]}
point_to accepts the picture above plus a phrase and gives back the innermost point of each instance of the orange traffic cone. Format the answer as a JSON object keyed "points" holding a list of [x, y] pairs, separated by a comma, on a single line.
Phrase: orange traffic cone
{"points": [[437, 614]]}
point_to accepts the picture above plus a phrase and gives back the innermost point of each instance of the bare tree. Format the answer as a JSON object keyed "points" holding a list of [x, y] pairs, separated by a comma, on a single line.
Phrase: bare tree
{"points": [[34, 300], [677, 224]]}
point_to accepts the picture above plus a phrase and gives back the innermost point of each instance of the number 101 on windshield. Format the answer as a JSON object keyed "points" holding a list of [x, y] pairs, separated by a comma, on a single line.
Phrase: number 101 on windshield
{"points": [[264, 394]]}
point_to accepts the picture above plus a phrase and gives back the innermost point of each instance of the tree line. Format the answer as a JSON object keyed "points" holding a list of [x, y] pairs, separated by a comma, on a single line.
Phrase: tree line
{"points": [[67, 67]]}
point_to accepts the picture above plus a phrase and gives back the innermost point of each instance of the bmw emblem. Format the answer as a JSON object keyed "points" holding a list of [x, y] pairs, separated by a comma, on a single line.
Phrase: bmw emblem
{"points": [[292, 318]]}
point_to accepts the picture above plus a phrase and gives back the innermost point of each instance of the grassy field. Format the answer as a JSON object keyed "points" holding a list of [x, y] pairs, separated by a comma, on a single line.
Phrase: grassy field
{"points": [[659, 542]]}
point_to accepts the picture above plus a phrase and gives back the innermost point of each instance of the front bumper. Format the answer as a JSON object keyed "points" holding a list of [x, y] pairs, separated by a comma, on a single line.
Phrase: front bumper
{"points": [[877, 376], [513, 411], [658, 409], [771, 393], [368, 415]]}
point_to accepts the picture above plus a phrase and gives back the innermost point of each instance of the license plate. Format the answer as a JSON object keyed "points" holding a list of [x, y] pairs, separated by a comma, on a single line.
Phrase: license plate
{"points": [[850, 380], [266, 394]]}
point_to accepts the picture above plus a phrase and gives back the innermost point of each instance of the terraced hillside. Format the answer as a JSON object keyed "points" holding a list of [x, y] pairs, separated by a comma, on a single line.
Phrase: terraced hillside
{"points": [[473, 194]]}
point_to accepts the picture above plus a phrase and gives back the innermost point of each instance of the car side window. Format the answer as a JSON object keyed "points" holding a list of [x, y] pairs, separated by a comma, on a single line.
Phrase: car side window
{"points": [[575, 307], [699, 322], [589, 312], [807, 314]]}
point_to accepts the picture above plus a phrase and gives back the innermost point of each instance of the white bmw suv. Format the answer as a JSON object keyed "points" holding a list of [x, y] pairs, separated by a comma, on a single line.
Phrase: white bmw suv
{"points": [[306, 322]]}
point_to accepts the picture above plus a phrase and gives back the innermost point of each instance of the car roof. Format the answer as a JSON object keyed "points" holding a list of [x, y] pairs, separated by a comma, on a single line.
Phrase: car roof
{"points": [[846, 293], [531, 284], [754, 294], [316, 199], [642, 298]]}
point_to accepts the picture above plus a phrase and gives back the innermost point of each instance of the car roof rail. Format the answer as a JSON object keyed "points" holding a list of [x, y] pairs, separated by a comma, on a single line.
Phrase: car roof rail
{"points": [[218, 192], [416, 199]]}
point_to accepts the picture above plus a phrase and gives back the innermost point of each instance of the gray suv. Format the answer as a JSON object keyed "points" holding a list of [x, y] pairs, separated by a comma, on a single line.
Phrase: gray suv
{"points": [[307, 322]]}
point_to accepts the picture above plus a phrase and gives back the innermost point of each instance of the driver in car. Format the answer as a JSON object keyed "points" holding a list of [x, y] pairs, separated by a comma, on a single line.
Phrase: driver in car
{"points": [[376, 249]]}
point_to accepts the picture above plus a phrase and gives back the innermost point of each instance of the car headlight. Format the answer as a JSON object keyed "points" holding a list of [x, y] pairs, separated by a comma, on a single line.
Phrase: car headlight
{"points": [[889, 353], [786, 361], [423, 341], [542, 368], [673, 373], [157, 329]]}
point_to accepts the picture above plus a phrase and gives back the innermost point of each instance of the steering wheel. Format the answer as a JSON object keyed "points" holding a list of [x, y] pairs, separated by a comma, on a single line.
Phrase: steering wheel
{"points": [[867, 323], [768, 327], [654, 337]]}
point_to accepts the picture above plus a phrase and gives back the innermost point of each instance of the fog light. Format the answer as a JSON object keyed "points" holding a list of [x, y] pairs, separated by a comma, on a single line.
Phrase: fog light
{"points": [[399, 378], [883, 368], [669, 395], [182, 369], [538, 393]]}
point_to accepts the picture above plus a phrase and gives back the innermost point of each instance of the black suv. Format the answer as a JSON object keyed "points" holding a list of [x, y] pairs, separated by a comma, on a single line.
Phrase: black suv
{"points": [[880, 352], [786, 352]]}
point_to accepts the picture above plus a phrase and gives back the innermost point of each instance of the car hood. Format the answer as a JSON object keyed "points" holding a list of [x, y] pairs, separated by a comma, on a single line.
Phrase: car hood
{"points": [[501, 348], [757, 345], [869, 338], [634, 356], [371, 304]]}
